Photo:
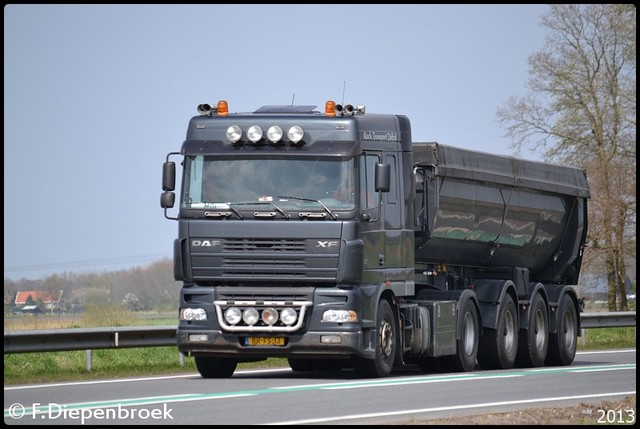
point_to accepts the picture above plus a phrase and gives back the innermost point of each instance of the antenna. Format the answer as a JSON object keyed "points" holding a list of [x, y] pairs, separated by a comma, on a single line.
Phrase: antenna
{"points": [[344, 86], [293, 99]]}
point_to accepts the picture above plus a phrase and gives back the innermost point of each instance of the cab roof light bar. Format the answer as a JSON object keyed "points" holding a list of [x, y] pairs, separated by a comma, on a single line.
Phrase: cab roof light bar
{"points": [[331, 109], [221, 109]]}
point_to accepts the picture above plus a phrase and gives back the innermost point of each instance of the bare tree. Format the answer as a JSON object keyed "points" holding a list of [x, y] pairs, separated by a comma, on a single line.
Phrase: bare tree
{"points": [[581, 109]]}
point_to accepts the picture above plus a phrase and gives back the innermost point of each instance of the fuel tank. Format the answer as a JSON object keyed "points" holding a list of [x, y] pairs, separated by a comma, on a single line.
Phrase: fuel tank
{"points": [[498, 212]]}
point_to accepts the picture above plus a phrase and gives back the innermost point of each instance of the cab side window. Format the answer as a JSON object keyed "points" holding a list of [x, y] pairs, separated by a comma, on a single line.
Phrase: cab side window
{"points": [[369, 198]]}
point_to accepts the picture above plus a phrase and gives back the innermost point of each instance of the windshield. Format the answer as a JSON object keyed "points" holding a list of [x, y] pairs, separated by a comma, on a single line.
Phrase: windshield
{"points": [[289, 184]]}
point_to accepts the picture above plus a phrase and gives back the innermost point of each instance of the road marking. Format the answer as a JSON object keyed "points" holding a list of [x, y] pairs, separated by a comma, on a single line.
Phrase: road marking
{"points": [[451, 408], [370, 383]]}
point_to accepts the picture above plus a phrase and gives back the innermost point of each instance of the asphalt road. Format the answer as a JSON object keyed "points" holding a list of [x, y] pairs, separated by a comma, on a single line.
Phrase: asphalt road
{"points": [[282, 397]]}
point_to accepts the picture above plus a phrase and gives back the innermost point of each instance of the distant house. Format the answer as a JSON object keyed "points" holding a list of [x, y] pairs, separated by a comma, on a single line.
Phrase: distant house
{"points": [[30, 298]]}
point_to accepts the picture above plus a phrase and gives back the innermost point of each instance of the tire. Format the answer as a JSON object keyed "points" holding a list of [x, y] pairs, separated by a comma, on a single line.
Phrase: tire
{"points": [[499, 347], [467, 345], [385, 345], [533, 342], [302, 365], [562, 344], [211, 367]]}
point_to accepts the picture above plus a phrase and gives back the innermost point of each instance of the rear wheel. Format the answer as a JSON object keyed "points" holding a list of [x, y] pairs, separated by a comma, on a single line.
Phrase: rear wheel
{"points": [[498, 347], [467, 345], [534, 341], [212, 367], [385, 345], [562, 344]]}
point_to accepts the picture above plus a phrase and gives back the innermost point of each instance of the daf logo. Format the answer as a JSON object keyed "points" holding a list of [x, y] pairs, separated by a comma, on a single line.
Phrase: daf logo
{"points": [[327, 244], [205, 243]]}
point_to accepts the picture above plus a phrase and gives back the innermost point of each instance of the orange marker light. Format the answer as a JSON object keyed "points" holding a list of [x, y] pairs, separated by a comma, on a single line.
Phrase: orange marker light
{"points": [[330, 108], [223, 108]]}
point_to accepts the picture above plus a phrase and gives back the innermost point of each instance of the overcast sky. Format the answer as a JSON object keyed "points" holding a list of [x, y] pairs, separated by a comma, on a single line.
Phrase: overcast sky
{"points": [[95, 96]]}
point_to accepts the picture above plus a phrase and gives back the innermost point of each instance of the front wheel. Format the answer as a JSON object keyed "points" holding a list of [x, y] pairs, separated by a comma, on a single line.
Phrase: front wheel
{"points": [[211, 367], [385, 345]]}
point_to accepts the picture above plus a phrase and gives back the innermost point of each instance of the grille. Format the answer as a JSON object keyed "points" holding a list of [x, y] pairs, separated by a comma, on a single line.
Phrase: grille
{"points": [[263, 245]]}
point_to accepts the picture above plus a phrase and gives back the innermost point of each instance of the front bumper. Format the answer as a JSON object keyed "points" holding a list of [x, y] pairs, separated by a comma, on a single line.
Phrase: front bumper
{"points": [[310, 344]]}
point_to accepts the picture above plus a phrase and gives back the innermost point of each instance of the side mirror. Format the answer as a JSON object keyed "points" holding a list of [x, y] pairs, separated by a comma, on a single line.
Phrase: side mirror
{"points": [[169, 176], [167, 199], [383, 177]]}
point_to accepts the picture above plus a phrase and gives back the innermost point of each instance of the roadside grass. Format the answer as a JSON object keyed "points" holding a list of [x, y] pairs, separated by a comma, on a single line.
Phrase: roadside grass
{"points": [[27, 368], [608, 338]]}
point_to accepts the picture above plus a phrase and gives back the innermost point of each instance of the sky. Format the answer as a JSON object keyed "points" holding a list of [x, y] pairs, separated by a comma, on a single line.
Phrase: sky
{"points": [[96, 96]]}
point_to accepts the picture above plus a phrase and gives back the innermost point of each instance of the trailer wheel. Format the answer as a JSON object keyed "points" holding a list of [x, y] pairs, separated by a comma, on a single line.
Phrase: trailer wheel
{"points": [[385, 345], [498, 347], [562, 344], [467, 346], [211, 367], [533, 342]]}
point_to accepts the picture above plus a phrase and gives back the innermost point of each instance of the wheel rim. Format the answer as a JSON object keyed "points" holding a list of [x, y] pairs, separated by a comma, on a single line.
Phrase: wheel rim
{"points": [[569, 330], [509, 332], [386, 339], [468, 334], [539, 329]]}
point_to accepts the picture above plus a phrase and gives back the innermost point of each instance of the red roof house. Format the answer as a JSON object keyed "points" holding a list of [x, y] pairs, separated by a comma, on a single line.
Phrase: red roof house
{"points": [[50, 299]]}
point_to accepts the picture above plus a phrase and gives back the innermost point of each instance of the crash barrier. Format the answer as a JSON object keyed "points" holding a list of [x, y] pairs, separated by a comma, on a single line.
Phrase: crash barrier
{"points": [[88, 339]]}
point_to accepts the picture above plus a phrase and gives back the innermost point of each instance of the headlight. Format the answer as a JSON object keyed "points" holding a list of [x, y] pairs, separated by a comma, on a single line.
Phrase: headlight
{"points": [[193, 314], [274, 134], [232, 315], [295, 134], [339, 316], [234, 133], [288, 316], [270, 316], [254, 134], [250, 316]]}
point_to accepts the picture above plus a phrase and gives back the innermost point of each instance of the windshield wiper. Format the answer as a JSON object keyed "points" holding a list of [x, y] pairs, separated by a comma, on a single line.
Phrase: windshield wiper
{"points": [[236, 212], [332, 214], [250, 203]]}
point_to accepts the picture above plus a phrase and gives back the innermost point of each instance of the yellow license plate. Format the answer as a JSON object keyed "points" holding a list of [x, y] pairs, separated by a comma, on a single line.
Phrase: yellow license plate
{"points": [[265, 341]]}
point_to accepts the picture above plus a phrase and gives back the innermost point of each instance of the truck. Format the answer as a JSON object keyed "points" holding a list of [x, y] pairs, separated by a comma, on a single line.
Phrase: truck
{"points": [[334, 241]]}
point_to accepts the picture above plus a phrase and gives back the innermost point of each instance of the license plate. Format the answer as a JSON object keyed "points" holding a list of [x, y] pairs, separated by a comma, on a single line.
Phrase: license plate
{"points": [[265, 341]]}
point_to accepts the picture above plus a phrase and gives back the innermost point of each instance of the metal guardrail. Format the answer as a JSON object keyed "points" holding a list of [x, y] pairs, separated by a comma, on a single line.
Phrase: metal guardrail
{"points": [[614, 319], [57, 340], [50, 340]]}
